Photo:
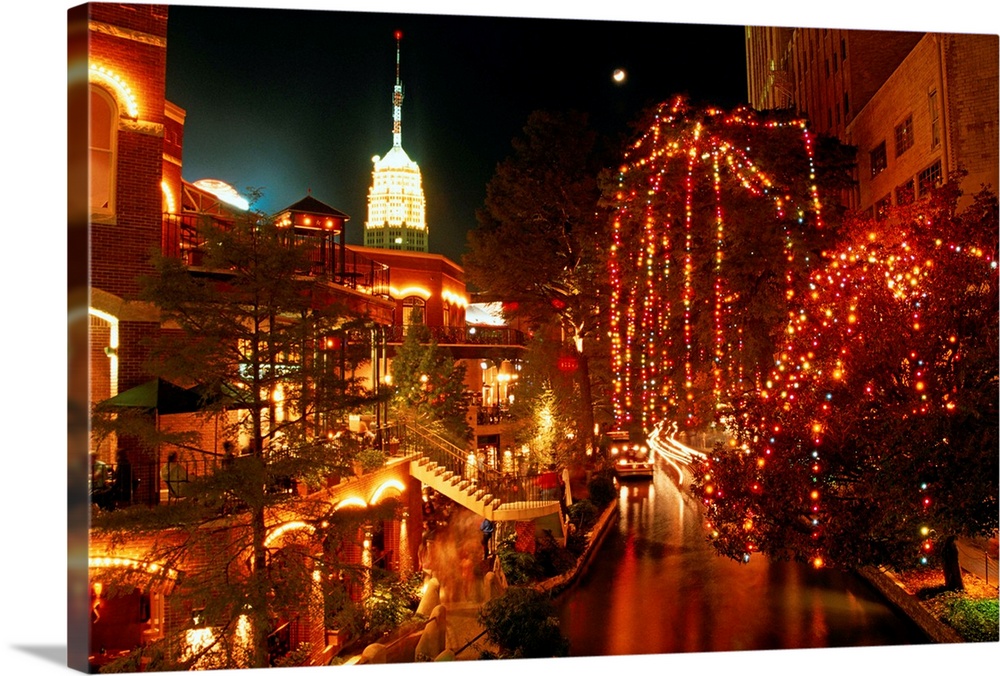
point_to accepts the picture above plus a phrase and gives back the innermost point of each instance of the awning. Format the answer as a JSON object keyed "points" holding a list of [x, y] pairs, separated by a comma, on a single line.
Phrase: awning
{"points": [[156, 395]]}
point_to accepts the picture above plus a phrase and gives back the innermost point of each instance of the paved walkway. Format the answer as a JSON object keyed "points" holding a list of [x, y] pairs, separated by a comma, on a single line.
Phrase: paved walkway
{"points": [[464, 636]]}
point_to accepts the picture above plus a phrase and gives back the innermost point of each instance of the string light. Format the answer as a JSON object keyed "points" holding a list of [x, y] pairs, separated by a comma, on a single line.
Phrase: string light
{"points": [[852, 295], [677, 169]]}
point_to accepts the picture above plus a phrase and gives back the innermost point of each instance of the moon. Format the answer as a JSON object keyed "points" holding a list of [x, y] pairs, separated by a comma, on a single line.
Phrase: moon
{"points": [[618, 76]]}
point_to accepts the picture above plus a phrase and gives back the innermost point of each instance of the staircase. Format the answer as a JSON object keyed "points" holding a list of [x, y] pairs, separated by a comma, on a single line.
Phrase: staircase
{"points": [[441, 465], [453, 486]]}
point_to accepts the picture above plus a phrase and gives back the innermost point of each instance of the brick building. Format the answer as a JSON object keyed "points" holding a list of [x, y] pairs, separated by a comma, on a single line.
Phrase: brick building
{"points": [[917, 106], [138, 202]]}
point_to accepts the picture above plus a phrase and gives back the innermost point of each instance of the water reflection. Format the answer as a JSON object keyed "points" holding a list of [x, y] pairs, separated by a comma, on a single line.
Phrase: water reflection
{"points": [[657, 587]]}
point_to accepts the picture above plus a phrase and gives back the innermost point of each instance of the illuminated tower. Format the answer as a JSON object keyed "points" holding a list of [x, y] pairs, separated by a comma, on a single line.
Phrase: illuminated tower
{"points": [[396, 198]]}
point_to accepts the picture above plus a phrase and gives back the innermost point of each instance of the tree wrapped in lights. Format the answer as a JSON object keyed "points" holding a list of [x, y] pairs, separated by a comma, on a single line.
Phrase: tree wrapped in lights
{"points": [[873, 440], [716, 216]]}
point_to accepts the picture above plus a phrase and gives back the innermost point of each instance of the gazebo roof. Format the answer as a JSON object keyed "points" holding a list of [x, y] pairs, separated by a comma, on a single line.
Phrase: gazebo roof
{"points": [[311, 205]]}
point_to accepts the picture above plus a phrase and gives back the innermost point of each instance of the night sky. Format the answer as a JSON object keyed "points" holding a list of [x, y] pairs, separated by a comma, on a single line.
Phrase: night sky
{"points": [[298, 100]]}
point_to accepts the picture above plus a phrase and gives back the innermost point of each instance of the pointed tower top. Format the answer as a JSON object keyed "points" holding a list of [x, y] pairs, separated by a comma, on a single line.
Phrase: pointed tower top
{"points": [[397, 101]]}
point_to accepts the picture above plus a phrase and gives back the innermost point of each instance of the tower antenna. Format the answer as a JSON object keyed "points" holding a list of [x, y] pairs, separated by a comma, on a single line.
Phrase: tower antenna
{"points": [[397, 101]]}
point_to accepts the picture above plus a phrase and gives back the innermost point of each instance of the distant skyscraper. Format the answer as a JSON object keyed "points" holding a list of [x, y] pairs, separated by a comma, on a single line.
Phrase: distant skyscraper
{"points": [[396, 198]]}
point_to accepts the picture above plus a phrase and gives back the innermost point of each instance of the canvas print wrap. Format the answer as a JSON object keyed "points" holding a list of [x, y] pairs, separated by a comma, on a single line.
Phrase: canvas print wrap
{"points": [[413, 338]]}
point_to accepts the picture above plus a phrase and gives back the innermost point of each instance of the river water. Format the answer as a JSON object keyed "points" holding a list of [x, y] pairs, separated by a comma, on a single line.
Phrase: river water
{"points": [[657, 587]]}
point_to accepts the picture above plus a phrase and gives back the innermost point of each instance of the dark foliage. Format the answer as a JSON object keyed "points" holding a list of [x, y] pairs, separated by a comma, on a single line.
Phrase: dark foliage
{"points": [[523, 623]]}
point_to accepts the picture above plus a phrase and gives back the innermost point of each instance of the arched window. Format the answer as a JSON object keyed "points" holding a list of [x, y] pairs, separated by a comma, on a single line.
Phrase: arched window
{"points": [[413, 310], [103, 134]]}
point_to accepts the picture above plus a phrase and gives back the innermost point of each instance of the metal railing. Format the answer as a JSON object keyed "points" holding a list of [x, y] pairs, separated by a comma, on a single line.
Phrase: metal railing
{"points": [[530, 488], [152, 482], [468, 335], [325, 258], [146, 482], [492, 415]]}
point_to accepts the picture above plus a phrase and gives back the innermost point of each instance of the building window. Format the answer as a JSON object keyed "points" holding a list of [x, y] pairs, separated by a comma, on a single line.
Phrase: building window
{"points": [[847, 107], [929, 178], [905, 193], [882, 208], [878, 159], [904, 135], [932, 103], [413, 310], [103, 133]]}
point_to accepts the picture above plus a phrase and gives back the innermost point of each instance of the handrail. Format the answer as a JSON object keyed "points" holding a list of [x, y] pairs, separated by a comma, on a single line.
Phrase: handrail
{"points": [[324, 257], [527, 489], [464, 335]]}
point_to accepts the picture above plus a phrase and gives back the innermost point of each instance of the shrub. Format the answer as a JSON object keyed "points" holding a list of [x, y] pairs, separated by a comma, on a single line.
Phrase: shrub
{"points": [[576, 544], [551, 557], [974, 620], [602, 490], [518, 567], [391, 603], [295, 658], [523, 623], [371, 459], [583, 515]]}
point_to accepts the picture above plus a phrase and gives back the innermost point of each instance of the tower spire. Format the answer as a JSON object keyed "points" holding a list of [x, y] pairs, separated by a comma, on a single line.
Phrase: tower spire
{"points": [[397, 101]]}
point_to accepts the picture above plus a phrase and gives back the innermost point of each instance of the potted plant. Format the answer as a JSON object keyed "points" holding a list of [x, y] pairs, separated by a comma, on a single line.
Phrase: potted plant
{"points": [[368, 459]]}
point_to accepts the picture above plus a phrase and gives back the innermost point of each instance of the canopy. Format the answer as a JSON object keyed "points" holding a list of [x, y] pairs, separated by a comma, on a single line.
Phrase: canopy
{"points": [[157, 394]]}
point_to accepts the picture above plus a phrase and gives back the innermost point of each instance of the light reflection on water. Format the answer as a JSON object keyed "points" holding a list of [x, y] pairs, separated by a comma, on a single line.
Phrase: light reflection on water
{"points": [[657, 587]]}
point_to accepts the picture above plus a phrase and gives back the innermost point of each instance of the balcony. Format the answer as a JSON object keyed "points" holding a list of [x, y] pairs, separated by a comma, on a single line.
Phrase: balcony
{"points": [[458, 336], [326, 259]]}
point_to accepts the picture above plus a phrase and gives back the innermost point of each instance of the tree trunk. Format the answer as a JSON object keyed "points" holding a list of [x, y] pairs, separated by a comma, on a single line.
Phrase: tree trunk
{"points": [[586, 403], [259, 616], [949, 561]]}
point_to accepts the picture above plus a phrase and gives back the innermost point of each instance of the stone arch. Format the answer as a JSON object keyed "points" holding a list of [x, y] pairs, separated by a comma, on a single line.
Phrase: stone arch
{"points": [[117, 87], [128, 614]]}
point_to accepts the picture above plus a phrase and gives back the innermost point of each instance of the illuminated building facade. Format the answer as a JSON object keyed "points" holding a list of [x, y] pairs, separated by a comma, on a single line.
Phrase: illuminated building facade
{"points": [[430, 289], [917, 106], [133, 201], [396, 207]]}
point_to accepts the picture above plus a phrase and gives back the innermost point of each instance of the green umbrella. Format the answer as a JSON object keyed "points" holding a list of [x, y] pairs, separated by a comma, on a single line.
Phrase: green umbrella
{"points": [[156, 395]]}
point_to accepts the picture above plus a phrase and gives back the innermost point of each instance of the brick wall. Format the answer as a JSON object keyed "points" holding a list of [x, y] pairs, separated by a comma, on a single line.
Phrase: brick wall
{"points": [[970, 120], [971, 67], [135, 50], [904, 94], [208, 557], [150, 19], [133, 351]]}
